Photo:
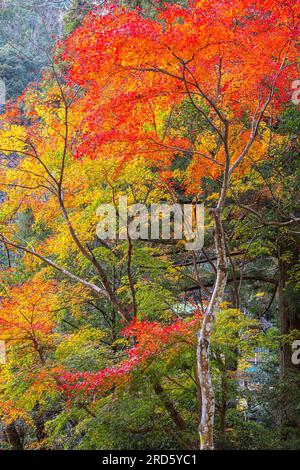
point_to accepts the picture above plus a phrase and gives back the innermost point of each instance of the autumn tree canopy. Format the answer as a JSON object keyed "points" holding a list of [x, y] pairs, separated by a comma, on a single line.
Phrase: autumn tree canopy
{"points": [[141, 344]]}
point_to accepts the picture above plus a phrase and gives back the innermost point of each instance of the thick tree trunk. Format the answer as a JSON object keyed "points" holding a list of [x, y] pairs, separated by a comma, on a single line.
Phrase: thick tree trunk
{"points": [[13, 437], [204, 336], [288, 298], [289, 320], [39, 422]]}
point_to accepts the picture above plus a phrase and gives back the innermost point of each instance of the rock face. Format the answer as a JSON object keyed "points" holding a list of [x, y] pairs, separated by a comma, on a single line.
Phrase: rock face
{"points": [[28, 30]]}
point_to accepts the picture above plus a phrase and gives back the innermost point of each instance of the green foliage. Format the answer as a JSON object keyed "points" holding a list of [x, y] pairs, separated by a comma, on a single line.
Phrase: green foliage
{"points": [[257, 405]]}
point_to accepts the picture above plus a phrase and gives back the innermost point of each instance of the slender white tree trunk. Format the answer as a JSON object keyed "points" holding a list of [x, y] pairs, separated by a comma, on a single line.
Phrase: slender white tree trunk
{"points": [[204, 336]]}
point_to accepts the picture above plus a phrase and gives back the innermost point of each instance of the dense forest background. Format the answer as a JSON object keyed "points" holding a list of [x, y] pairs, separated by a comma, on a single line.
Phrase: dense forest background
{"points": [[52, 322]]}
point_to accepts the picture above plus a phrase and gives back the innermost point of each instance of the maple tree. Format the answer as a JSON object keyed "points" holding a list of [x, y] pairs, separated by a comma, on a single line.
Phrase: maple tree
{"points": [[184, 105], [206, 55], [28, 319]]}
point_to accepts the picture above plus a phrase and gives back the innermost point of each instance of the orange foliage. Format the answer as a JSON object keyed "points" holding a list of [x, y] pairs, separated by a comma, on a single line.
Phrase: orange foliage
{"points": [[225, 57]]}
